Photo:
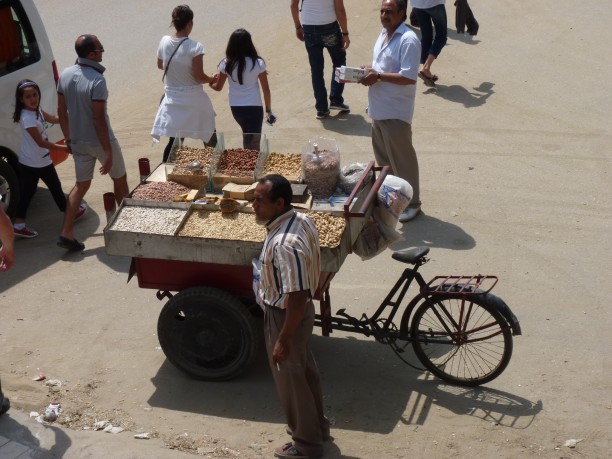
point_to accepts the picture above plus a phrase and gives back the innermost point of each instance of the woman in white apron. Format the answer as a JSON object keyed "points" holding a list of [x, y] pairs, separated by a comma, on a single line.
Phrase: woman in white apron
{"points": [[185, 109]]}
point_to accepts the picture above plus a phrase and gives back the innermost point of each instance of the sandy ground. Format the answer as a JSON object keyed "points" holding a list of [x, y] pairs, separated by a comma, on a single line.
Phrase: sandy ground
{"points": [[515, 177]]}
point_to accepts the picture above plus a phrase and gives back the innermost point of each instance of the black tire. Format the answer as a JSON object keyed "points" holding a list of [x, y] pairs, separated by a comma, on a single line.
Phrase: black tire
{"points": [[208, 333], [475, 356], [9, 186]]}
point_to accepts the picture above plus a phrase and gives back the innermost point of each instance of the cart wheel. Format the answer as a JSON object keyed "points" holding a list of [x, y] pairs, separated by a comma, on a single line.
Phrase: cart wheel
{"points": [[208, 333], [470, 354]]}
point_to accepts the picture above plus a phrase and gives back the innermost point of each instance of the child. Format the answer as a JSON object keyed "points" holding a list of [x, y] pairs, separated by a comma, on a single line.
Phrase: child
{"points": [[246, 70], [34, 158]]}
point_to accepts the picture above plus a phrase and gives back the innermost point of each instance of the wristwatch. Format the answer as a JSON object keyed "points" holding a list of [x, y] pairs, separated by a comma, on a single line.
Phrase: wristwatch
{"points": [[378, 77]]}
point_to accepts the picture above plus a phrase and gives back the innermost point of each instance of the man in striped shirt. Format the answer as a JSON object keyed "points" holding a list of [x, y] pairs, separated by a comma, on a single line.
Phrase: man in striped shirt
{"points": [[289, 276]]}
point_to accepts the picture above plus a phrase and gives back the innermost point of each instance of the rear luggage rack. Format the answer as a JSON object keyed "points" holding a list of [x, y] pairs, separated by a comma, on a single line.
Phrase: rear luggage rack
{"points": [[478, 283]]}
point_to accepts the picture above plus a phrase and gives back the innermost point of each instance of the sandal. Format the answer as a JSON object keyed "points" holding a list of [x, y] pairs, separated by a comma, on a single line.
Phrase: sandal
{"points": [[70, 244], [429, 81], [288, 451]]}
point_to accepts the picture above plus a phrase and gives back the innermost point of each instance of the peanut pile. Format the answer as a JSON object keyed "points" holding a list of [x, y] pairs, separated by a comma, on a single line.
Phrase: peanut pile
{"points": [[286, 164], [329, 227], [159, 191], [321, 173], [238, 162], [151, 220], [235, 226], [187, 155]]}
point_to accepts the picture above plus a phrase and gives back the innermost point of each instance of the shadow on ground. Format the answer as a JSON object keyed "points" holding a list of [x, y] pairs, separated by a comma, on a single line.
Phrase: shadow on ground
{"points": [[366, 389]]}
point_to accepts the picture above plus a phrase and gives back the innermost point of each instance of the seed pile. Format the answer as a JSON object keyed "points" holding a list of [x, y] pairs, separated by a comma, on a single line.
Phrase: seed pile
{"points": [[188, 155], [329, 227], [159, 191], [235, 226], [321, 173], [286, 164], [151, 220], [238, 162]]}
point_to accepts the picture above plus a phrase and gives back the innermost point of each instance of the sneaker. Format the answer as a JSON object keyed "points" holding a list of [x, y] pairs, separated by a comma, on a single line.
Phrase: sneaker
{"points": [[341, 107], [5, 405], [70, 244], [288, 451], [321, 114], [25, 232], [409, 214], [81, 211]]}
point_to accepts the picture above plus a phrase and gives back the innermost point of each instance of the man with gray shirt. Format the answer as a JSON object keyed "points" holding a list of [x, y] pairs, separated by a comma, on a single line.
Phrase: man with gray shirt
{"points": [[323, 25], [82, 96]]}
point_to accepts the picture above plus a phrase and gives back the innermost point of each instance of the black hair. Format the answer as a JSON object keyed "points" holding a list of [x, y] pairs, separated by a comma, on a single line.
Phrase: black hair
{"points": [[181, 15], [19, 94], [239, 47], [401, 5], [280, 188], [85, 44]]}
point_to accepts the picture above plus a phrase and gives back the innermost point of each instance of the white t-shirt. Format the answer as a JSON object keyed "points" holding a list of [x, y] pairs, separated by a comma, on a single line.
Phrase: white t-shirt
{"points": [[247, 93], [318, 12], [424, 4], [180, 71], [30, 154]]}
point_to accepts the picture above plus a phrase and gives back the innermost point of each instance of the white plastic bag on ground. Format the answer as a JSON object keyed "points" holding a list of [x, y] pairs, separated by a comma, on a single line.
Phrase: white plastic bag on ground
{"points": [[394, 196]]}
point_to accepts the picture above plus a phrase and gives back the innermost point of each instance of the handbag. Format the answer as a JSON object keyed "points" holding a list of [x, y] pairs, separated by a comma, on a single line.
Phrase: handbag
{"points": [[168, 65]]}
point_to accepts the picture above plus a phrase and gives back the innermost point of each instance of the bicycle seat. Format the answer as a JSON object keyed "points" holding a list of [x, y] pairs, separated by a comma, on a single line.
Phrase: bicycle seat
{"points": [[410, 255]]}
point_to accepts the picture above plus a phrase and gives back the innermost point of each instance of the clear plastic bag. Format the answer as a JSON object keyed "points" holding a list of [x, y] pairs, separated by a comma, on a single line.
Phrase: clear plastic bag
{"points": [[374, 238], [350, 176]]}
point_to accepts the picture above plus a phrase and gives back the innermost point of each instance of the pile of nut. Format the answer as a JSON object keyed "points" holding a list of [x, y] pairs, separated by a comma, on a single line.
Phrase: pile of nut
{"points": [[187, 156], [235, 226], [151, 220], [286, 164], [238, 162], [329, 227], [159, 191], [321, 173]]}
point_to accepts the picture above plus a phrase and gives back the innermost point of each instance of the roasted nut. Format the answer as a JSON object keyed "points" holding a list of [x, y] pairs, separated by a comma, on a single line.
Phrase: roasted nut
{"points": [[151, 220], [187, 156], [238, 162], [286, 164], [159, 191], [329, 227], [235, 226]]}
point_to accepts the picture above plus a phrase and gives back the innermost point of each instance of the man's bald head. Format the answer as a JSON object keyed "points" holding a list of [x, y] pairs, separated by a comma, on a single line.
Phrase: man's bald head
{"points": [[85, 44]]}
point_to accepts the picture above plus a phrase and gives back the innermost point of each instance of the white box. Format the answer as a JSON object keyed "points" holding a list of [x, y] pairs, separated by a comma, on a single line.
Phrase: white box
{"points": [[352, 74]]}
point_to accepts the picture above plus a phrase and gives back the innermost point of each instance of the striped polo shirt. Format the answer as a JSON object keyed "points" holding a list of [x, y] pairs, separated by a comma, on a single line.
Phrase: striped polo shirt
{"points": [[290, 259]]}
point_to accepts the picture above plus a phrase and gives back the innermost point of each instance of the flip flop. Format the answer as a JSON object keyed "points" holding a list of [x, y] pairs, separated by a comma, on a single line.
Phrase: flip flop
{"points": [[429, 81]]}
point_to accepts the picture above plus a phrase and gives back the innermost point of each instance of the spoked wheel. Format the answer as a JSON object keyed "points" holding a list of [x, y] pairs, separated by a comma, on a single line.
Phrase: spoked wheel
{"points": [[208, 333], [462, 341]]}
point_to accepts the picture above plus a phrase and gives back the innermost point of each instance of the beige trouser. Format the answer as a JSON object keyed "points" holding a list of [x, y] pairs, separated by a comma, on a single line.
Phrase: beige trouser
{"points": [[392, 144], [298, 382]]}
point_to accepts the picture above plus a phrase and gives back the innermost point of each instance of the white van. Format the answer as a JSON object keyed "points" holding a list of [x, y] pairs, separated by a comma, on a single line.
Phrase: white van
{"points": [[25, 52]]}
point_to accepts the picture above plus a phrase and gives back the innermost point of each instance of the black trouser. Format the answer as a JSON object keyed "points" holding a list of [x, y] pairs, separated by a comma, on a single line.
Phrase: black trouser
{"points": [[29, 177]]}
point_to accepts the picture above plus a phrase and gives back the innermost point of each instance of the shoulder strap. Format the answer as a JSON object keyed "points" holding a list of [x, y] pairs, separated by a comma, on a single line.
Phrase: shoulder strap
{"points": [[171, 56]]}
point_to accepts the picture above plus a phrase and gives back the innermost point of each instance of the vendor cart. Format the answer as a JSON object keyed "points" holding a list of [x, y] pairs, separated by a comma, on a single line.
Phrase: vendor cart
{"points": [[208, 328]]}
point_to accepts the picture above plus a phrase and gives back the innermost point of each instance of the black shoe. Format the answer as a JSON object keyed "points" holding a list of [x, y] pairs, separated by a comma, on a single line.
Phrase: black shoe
{"points": [[70, 244], [5, 405], [321, 114], [342, 107]]}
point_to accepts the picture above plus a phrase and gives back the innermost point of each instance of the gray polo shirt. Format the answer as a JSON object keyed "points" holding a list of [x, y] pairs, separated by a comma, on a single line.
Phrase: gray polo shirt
{"points": [[80, 85]]}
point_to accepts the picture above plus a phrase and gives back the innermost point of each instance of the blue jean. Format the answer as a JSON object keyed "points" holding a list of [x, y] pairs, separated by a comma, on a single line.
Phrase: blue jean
{"points": [[425, 18], [317, 38]]}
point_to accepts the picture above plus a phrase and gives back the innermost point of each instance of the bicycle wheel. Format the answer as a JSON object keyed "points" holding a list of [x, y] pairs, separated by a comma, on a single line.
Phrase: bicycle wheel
{"points": [[462, 341]]}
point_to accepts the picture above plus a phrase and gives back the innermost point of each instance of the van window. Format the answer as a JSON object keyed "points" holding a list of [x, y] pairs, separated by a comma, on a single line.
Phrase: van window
{"points": [[18, 47]]}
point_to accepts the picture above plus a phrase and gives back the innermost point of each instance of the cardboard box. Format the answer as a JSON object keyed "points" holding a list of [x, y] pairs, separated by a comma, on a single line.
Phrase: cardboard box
{"points": [[238, 191]]}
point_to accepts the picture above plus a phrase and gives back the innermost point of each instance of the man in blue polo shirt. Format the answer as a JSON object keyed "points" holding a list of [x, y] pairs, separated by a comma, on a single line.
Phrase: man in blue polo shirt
{"points": [[83, 117]]}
